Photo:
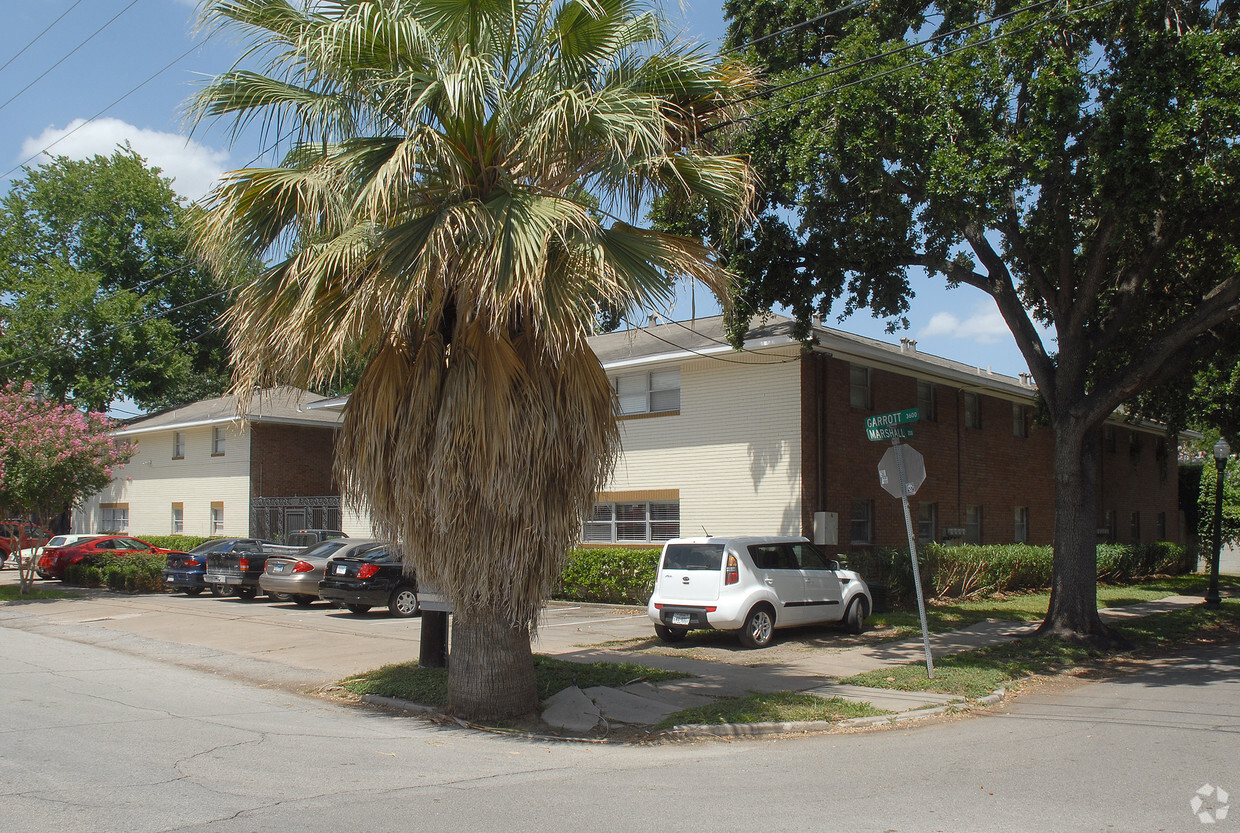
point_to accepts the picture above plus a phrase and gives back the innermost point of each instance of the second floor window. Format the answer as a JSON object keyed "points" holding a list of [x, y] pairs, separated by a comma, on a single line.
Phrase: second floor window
{"points": [[859, 387], [654, 392], [972, 411], [217, 441], [926, 411], [178, 445]]}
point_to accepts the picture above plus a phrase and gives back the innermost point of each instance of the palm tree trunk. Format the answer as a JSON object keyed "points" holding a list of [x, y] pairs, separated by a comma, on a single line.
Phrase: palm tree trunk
{"points": [[491, 669], [1073, 610]]}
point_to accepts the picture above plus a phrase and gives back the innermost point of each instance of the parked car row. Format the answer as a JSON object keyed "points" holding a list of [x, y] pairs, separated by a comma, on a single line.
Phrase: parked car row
{"points": [[19, 534]]}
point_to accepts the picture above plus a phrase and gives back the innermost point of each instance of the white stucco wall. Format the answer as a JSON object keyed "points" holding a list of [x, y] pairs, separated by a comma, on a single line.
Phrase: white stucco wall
{"points": [[733, 451], [153, 481]]}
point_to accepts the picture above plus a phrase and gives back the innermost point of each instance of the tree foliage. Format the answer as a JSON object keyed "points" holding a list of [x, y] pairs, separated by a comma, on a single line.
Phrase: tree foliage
{"points": [[99, 297], [52, 456], [1076, 162], [452, 212]]}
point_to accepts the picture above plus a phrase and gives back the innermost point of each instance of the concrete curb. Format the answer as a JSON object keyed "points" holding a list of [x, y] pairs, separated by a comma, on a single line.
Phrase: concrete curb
{"points": [[753, 730]]}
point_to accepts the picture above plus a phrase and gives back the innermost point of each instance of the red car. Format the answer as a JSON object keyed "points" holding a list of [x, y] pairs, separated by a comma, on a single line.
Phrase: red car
{"points": [[15, 534], [54, 562]]}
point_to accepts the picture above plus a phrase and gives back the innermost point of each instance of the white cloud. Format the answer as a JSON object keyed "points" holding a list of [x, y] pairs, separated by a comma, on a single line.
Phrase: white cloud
{"points": [[985, 325], [192, 166]]}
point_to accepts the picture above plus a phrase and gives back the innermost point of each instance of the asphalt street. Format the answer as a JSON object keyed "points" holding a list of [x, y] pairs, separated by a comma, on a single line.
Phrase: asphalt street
{"points": [[96, 739]]}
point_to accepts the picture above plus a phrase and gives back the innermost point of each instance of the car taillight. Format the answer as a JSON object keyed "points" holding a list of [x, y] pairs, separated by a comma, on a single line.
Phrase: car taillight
{"points": [[367, 570], [244, 563], [302, 567], [46, 561], [731, 575]]}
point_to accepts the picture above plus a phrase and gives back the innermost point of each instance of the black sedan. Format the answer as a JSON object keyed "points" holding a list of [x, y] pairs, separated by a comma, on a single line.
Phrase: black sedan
{"points": [[184, 571], [371, 578]]}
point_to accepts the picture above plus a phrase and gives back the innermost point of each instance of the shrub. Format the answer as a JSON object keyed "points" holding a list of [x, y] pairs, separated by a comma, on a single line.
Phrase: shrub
{"points": [[972, 570], [125, 573], [612, 575], [184, 543]]}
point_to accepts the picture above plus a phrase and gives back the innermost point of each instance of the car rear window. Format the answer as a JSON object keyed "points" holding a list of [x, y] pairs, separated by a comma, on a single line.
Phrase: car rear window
{"points": [[693, 557]]}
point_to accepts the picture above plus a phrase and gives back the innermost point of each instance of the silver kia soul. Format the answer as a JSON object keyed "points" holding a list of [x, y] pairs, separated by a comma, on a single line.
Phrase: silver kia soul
{"points": [[752, 585]]}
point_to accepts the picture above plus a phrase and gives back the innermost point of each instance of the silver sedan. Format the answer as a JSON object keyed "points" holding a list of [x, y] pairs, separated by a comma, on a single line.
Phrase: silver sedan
{"points": [[297, 576]]}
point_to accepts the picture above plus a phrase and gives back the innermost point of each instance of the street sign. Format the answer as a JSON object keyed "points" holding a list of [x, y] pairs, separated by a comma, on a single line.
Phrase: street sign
{"points": [[894, 418], [890, 432], [914, 471]]}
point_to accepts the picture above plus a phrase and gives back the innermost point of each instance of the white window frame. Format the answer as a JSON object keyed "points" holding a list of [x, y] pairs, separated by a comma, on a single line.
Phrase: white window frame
{"points": [[178, 519], [218, 441], [114, 518], [632, 522], [178, 445], [649, 392], [217, 518]]}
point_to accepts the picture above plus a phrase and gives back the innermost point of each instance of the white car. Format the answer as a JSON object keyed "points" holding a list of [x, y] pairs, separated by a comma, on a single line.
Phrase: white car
{"points": [[752, 585]]}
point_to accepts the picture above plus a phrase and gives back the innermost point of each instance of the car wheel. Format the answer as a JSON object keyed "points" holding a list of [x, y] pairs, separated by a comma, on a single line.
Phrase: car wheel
{"points": [[221, 590], [303, 601], [854, 617], [247, 593], [670, 634], [759, 628], [358, 609], [279, 597], [404, 602], [193, 591]]}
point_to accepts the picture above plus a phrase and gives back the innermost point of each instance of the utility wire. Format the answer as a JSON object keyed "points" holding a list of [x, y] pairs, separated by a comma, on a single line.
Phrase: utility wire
{"points": [[796, 26], [711, 356], [904, 48], [71, 51], [920, 62], [41, 34], [148, 80]]}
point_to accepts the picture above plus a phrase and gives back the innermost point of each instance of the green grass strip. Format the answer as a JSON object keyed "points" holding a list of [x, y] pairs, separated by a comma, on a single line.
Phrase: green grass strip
{"points": [[777, 707], [8, 593], [977, 673], [429, 686]]}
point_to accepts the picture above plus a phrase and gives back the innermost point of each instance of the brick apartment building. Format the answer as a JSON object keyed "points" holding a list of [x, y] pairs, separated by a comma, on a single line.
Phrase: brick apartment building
{"points": [[214, 468], [772, 440]]}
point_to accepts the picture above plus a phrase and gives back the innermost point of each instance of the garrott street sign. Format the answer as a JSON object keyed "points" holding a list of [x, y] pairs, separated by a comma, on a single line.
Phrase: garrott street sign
{"points": [[892, 426]]}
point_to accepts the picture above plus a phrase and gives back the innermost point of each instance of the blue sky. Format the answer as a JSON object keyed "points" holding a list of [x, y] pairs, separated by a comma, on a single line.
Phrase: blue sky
{"points": [[111, 71]]}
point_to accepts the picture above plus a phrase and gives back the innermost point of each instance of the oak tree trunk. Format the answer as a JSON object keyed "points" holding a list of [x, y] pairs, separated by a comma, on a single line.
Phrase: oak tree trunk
{"points": [[1073, 610]]}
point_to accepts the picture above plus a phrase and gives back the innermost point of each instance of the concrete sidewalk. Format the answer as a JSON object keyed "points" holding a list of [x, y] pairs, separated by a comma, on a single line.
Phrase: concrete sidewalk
{"points": [[649, 703]]}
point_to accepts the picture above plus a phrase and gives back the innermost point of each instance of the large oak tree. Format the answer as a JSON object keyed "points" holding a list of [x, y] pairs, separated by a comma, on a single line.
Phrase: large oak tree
{"points": [[1076, 161]]}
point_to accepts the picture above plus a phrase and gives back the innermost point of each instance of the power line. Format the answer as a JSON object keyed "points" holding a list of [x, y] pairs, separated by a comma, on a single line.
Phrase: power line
{"points": [[41, 34], [898, 50], [796, 26], [70, 54], [711, 356], [920, 62], [148, 80]]}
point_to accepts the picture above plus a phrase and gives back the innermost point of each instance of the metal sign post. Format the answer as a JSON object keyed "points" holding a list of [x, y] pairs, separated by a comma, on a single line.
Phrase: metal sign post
{"points": [[909, 470]]}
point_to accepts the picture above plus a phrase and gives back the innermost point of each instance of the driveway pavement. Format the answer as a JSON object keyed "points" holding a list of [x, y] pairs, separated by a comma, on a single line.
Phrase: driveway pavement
{"points": [[304, 649]]}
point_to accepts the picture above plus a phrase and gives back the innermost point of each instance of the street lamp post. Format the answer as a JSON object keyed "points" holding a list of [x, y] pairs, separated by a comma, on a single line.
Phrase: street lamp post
{"points": [[1221, 452]]}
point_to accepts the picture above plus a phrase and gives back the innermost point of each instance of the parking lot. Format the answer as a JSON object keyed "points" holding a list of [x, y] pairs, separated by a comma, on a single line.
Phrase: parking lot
{"points": [[278, 643]]}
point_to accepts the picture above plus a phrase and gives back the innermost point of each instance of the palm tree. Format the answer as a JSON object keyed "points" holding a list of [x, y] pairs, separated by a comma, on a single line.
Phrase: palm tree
{"points": [[450, 211]]}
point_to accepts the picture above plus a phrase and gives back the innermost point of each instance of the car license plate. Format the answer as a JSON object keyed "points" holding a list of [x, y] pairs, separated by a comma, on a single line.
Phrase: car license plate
{"points": [[217, 579], [680, 618], [168, 579], [341, 569], [278, 568]]}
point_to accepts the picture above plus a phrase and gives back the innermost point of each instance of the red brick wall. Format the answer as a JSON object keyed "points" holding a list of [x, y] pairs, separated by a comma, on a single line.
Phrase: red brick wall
{"points": [[291, 461], [988, 466]]}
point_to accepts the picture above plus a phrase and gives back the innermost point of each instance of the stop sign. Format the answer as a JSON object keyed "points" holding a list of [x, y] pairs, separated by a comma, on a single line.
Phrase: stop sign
{"points": [[889, 470]]}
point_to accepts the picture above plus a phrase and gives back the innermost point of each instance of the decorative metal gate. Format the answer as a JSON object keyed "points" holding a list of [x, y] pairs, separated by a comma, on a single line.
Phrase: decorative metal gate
{"points": [[274, 517]]}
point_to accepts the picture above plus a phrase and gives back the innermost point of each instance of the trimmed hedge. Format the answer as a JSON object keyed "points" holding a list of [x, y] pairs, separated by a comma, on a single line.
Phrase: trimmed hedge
{"points": [[184, 543], [971, 570], [612, 575], [126, 573]]}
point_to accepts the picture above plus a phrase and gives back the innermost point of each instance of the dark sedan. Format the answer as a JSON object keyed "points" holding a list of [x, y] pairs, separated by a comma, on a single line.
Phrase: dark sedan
{"points": [[373, 578], [185, 571]]}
